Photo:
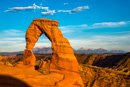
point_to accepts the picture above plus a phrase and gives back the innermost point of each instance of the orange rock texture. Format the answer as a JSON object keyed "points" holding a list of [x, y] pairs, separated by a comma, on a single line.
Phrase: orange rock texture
{"points": [[63, 59], [24, 77]]}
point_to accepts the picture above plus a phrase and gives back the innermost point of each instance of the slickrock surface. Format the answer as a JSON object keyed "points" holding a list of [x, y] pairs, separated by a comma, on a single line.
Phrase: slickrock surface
{"points": [[92, 76], [22, 77], [63, 59]]}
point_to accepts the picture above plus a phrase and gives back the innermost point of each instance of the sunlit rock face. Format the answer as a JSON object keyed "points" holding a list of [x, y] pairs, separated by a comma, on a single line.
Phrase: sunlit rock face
{"points": [[63, 59]]}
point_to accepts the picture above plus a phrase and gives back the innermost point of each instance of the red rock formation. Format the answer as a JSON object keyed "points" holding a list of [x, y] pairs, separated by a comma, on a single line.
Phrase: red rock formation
{"points": [[63, 59], [42, 64]]}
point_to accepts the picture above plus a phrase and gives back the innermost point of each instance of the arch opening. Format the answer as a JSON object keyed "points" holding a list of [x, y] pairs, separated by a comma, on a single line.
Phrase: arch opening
{"points": [[43, 41]]}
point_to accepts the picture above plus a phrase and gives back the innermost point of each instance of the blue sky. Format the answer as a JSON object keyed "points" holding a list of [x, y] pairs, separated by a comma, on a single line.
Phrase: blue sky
{"points": [[85, 23]]}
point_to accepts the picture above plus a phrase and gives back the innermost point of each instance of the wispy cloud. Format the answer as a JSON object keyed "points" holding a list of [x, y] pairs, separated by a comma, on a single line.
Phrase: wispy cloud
{"points": [[12, 44], [9, 42], [64, 11], [12, 32], [109, 24], [75, 10], [124, 32], [12, 40], [12, 47], [17, 9], [83, 26], [46, 44], [107, 42], [66, 31], [113, 38], [48, 13], [47, 10], [78, 9], [66, 3], [95, 25]]}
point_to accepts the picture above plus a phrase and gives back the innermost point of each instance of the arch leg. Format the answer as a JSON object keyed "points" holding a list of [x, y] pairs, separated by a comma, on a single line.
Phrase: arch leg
{"points": [[32, 35]]}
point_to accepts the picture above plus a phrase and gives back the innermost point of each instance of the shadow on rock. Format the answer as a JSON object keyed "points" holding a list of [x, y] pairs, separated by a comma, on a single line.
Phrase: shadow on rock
{"points": [[8, 81]]}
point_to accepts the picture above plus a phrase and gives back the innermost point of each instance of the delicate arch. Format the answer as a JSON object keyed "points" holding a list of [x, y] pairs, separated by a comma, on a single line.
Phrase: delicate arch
{"points": [[63, 60], [63, 57]]}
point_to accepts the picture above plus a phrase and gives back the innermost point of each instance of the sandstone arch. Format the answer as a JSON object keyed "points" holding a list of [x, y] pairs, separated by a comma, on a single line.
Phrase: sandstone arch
{"points": [[63, 59]]}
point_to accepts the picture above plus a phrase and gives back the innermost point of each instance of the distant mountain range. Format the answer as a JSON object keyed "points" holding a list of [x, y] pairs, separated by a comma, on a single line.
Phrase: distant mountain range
{"points": [[48, 50], [98, 51], [42, 50]]}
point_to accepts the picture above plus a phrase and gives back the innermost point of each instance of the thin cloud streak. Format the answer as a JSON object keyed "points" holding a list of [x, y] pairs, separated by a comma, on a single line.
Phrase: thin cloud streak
{"points": [[78, 9], [66, 3], [109, 24], [48, 12], [107, 42], [17, 9], [10, 42], [95, 25], [12, 32], [13, 39], [124, 32], [75, 10]]}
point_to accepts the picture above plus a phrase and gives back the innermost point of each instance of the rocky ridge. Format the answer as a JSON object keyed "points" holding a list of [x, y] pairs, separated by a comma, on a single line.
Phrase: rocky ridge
{"points": [[92, 76]]}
